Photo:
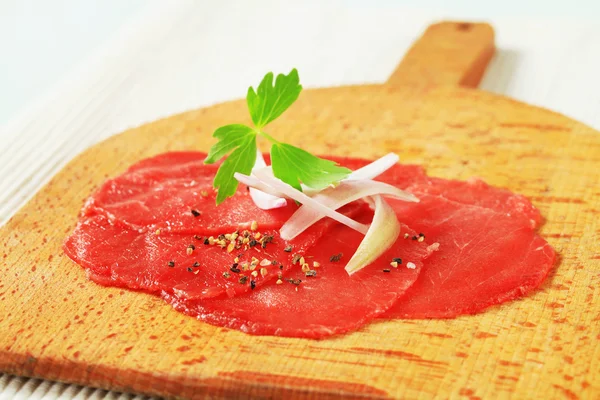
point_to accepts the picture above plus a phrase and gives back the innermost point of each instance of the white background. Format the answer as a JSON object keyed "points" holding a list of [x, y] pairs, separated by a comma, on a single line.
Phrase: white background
{"points": [[41, 42], [73, 72]]}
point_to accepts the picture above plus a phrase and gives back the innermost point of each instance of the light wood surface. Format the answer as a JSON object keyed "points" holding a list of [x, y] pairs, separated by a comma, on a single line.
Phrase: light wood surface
{"points": [[56, 324]]}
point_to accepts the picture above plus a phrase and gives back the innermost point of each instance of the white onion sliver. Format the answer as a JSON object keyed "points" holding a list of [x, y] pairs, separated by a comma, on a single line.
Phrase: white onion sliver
{"points": [[334, 198], [265, 176], [382, 234], [265, 201], [262, 198], [260, 160], [375, 168], [260, 195], [305, 189], [369, 171], [257, 184]]}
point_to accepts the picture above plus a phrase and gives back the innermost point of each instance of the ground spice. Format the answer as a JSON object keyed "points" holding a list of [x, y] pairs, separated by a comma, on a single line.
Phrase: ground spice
{"points": [[336, 257]]}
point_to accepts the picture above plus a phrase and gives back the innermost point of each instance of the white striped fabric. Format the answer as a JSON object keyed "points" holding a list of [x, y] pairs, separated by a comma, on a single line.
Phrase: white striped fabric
{"points": [[14, 387]]}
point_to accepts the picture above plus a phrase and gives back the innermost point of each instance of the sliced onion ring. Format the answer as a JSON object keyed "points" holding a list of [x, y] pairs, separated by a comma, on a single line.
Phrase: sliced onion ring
{"points": [[261, 196], [376, 168], [334, 198], [265, 175], [267, 199], [369, 171], [382, 234], [255, 183]]}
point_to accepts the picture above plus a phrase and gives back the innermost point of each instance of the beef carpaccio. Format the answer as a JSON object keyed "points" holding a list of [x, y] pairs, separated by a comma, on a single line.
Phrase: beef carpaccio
{"points": [[464, 247]]}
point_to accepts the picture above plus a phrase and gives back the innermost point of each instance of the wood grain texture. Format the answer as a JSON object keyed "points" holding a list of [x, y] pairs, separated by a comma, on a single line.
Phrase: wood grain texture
{"points": [[56, 324], [448, 53]]}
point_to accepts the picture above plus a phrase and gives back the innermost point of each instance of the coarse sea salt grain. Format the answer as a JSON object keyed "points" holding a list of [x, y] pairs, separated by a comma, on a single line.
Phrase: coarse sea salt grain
{"points": [[411, 265]]}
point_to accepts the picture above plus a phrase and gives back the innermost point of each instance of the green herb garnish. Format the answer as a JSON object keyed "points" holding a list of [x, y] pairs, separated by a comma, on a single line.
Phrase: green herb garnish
{"points": [[290, 164]]}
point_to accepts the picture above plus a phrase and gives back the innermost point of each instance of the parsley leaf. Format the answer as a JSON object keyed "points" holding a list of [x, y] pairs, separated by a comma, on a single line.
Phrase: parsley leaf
{"points": [[290, 164], [269, 102], [242, 138], [230, 137], [295, 166], [240, 160]]}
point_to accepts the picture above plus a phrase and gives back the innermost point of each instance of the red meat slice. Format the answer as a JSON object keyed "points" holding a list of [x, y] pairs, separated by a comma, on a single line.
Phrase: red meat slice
{"points": [[473, 191], [488, 254], [488, 251], [139, 223], [478, 193], [96, 243], [330, 303], [161, 192], [485, 257], [117, 255]]}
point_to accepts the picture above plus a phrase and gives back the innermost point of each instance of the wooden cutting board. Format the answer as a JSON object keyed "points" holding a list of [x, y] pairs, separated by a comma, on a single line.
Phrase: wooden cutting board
{"points": [[56, 324]]}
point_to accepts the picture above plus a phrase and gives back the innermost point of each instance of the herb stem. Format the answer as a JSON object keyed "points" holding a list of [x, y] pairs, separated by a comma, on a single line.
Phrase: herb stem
{"points": [[267, 136]]}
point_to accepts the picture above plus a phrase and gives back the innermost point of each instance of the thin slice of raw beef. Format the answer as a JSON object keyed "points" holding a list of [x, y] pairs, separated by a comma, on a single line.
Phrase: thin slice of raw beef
{"points": [[96, 243], [135, 232], [489, 252], [331, 302], [173, 193], [473, 191], [137, 229], [115, 254], [485, 257], [478, 193]]}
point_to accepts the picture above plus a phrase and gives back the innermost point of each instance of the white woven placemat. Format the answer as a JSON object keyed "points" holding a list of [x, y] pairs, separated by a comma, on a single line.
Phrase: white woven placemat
{"points": [[186, 54]]}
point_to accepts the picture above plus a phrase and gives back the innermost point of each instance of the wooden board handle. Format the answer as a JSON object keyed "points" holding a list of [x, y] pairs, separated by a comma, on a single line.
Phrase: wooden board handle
{"points": [[448, 53]]}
